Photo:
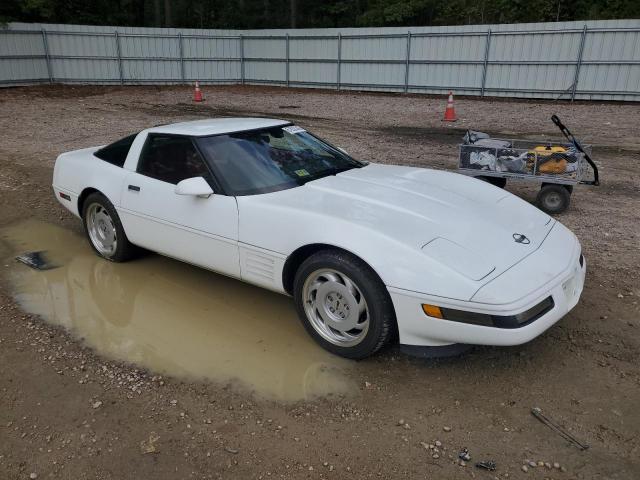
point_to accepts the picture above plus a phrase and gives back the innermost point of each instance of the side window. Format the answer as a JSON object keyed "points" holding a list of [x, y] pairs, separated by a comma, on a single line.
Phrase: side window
{"points": [[116, 153], [171, 159]]}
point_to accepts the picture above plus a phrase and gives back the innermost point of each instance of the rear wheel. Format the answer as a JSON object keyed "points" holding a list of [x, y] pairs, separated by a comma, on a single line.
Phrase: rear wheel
{"points": [[343, 304], [553, 199], [104, 229]]}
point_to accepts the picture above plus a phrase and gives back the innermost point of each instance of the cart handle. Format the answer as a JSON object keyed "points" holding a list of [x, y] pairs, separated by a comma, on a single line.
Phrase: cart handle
{"points": [[567, 133]]}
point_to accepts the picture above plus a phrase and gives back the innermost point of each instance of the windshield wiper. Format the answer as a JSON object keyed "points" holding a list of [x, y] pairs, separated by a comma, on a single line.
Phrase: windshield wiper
{"points": [[326, 173], [337, 170]]}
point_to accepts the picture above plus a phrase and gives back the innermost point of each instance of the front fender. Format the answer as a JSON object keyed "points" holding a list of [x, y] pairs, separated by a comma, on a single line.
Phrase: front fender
{"points": [[284, 229]]}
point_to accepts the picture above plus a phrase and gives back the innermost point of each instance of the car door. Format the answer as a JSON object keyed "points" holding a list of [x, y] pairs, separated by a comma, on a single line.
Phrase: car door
{"points": [[195, 229]]}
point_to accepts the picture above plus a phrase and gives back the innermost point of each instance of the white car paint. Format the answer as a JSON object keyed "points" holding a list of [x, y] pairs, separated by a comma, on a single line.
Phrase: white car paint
{"points": [[432, 236]]}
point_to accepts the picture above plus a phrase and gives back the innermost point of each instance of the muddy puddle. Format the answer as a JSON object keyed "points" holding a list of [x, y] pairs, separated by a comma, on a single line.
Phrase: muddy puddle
{"points": [[172, 318]]}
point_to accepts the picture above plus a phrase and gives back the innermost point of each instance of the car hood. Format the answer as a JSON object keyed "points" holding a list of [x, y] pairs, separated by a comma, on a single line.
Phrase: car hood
{"points": [[463, 224], [468, 224]]}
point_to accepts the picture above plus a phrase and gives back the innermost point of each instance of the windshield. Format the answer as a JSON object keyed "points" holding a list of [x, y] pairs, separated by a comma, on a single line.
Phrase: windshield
{"points": [[270, 159]]}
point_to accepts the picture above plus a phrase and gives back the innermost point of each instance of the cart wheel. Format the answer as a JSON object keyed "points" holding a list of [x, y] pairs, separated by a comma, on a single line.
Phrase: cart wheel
{"points": [[495, 181], [553, 198]]}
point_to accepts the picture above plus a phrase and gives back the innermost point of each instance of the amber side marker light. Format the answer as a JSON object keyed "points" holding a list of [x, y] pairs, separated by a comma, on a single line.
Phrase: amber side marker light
{"points": [[432, 310]]}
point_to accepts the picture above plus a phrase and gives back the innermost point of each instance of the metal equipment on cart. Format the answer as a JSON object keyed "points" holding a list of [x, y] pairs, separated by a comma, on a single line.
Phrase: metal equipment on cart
{"points": [[556, 166]]}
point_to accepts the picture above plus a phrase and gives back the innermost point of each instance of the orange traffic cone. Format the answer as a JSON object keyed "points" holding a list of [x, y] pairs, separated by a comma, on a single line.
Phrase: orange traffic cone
{"points": [[450, 112], [197, 93]]}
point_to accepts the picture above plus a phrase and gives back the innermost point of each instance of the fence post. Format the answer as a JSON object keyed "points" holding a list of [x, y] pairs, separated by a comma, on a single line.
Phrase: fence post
{"points": [[117, 38], [487, 47], [242, 59], [287, 47], [45, 44], [408, 62], [578, 63], [181, 56], [339, 60]]}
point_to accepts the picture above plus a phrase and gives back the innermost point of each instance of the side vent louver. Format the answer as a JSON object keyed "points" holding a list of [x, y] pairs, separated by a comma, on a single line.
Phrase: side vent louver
{"points": [[260, 266]]}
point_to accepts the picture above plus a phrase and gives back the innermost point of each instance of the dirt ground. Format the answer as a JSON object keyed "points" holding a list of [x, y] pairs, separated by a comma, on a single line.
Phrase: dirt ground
{"points": [[69, 412]]}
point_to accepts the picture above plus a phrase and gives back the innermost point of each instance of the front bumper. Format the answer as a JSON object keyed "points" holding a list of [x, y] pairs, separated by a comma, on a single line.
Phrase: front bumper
{"points": [[417, 329]]}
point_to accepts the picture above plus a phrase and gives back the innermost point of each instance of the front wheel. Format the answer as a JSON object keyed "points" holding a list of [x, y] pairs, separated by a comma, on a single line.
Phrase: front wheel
{"points": [[104, 229], [343, 304]]}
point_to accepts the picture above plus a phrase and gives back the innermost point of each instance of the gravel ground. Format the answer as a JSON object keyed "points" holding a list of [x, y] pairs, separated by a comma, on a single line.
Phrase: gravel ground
{"points": [[69, 413]]}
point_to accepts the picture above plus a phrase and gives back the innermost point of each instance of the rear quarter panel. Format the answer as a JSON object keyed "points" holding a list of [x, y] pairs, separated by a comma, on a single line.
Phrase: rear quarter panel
{"points": [[78, 170]]}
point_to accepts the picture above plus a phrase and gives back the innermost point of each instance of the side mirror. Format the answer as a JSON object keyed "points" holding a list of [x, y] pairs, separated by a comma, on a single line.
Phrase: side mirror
{"points": [[196, 186]]}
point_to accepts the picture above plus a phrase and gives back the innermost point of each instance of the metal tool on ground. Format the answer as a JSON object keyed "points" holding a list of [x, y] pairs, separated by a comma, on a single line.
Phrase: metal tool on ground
{"points": [[464, 455], [450, 112], [537, 412], [487, 465], [197, 93], [36, 260]]}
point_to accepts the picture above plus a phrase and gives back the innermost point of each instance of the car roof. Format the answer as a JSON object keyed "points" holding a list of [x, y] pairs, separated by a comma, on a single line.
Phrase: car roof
{"points": [[217, 126]]}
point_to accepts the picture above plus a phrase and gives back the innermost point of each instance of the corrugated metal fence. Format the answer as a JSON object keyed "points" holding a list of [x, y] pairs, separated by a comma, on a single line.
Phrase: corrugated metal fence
{"points": [[572, 60]]}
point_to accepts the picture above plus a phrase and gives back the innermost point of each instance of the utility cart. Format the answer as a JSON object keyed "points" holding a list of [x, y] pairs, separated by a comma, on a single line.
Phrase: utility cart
{"points": [[556, 166]]}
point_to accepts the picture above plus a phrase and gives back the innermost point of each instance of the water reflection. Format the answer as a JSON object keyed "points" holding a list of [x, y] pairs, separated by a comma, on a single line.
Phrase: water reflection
{"points": [[173, 318]]}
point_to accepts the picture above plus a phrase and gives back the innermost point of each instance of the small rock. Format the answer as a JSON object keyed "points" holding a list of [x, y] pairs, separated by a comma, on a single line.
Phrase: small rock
{"points": [[406, 426], [540, 463], [525, 469], [556, 465], [173, 402], [446, 429], [547, 465], [533, 464], [462, 463], [435, 455], [401, 422], [438, 443], [230, 450], [97, 404], [33, 476], [620, 295], [149, 446], [562, 469], [367, 384], [425, 445]]}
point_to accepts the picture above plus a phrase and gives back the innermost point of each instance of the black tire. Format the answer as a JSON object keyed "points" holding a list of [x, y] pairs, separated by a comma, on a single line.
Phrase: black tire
{"points": [[553, 199], [124, 250], [382, 319], [499, 182]]}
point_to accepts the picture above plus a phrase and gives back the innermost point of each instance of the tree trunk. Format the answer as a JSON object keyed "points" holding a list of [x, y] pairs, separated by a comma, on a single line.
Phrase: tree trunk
{"points": [[294, 12], [139, 13], [265, 14], [157, 17], [167, 13]]}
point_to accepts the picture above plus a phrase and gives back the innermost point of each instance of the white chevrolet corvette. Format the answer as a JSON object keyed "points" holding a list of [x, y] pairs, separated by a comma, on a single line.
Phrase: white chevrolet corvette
{"points": [[368, 251]]}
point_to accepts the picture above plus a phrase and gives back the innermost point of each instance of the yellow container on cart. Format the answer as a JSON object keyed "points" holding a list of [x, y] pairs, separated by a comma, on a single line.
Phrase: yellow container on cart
{"points": [[551, 158]]}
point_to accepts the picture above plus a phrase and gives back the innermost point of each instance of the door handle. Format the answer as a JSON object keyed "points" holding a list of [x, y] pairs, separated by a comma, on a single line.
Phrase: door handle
{"points": [[134, 188]]}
